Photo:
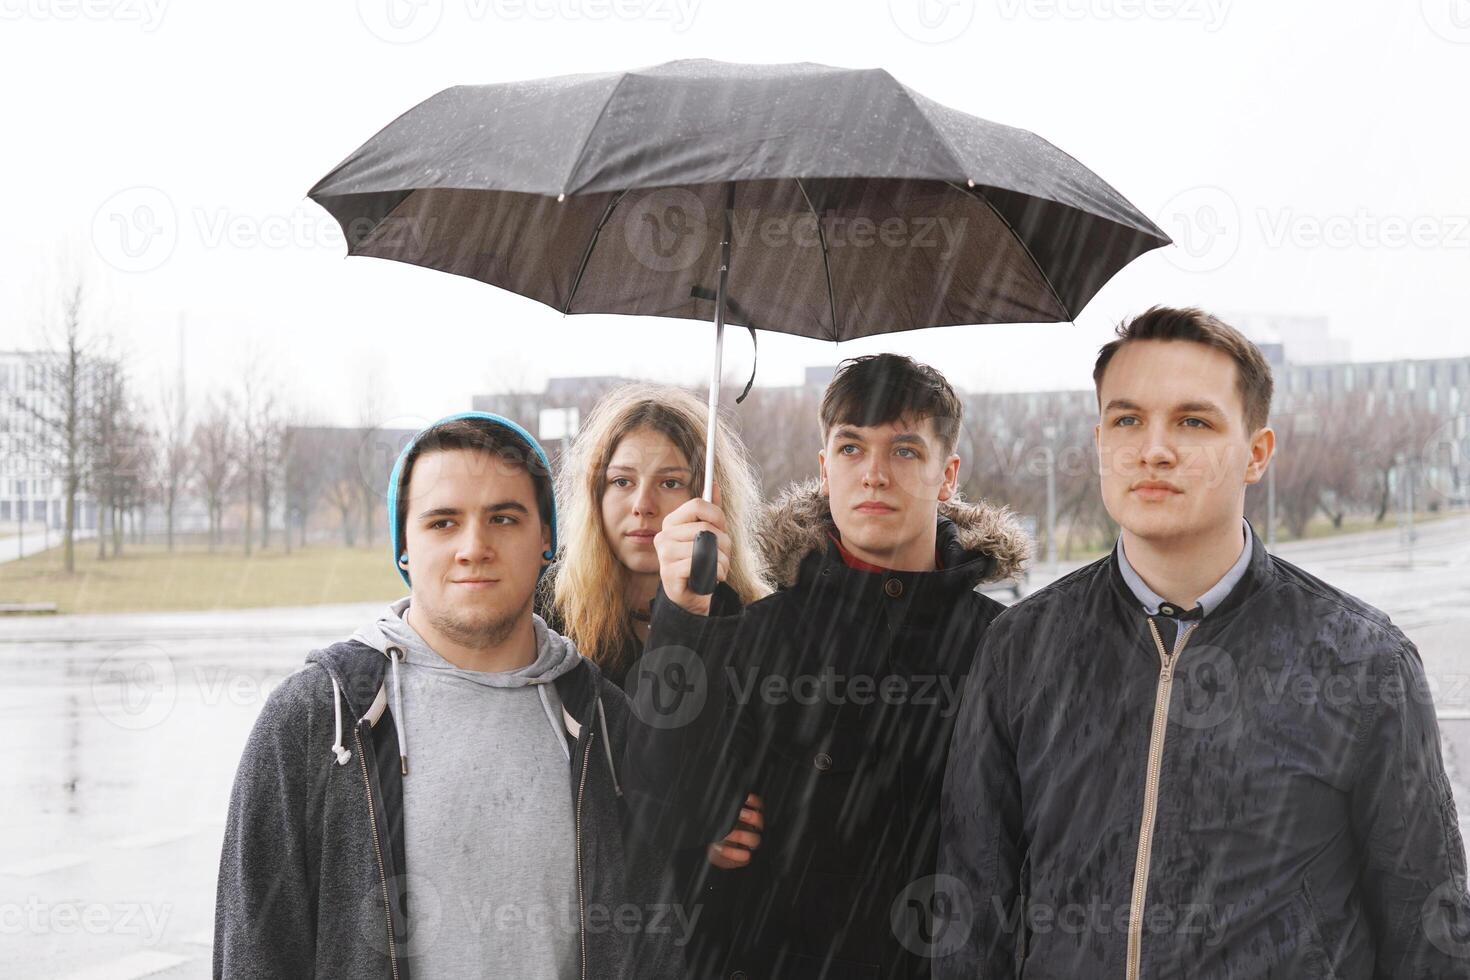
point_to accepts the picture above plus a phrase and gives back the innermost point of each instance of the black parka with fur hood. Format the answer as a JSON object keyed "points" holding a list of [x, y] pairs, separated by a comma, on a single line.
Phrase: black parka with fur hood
{"points": [[834, 699]]}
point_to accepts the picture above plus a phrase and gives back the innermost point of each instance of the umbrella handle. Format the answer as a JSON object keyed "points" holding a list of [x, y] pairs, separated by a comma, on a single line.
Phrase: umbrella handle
{"points": [[704, 569]]}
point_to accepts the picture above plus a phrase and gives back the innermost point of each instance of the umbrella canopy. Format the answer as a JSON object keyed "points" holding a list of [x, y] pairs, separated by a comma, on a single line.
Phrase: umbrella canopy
{"points": [[822, 202], [859, 206]]}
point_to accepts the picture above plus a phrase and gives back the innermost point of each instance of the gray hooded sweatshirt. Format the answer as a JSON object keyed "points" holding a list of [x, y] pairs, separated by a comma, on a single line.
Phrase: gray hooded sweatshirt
{"points": [[314, 879], [488, 826]]}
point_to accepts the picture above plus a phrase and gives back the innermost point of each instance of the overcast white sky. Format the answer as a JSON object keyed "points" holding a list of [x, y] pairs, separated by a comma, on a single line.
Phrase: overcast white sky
{"points": [[1310, 158]]}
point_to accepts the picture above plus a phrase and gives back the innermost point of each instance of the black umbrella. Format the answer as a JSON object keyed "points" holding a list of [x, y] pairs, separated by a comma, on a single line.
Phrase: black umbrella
{"points": [[852, 205]]}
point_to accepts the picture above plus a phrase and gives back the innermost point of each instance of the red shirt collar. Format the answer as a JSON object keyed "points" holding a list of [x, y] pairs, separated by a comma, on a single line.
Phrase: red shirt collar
{"points": [[853, 561]]}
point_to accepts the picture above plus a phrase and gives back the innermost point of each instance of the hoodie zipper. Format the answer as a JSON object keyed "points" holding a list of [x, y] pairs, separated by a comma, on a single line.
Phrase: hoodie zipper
{"points": [[378, 853], [581, 895], [1167, 662]]}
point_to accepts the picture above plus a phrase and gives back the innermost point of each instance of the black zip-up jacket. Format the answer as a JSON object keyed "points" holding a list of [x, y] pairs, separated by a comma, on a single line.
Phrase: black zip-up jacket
{"points": [[313, 881], [1265, 799], [833, 699], [700, 887]]}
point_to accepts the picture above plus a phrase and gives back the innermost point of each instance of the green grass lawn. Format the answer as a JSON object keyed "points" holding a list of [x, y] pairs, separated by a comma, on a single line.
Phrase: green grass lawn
{"points": [[148, 578]]}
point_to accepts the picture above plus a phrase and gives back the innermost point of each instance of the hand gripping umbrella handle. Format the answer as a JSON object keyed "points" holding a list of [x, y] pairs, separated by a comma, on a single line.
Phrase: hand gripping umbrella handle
{"points": [[704, 569]]}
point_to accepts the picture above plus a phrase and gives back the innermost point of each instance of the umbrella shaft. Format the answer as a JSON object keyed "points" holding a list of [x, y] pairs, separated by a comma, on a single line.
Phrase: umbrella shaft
{"points": [[714, 379]]}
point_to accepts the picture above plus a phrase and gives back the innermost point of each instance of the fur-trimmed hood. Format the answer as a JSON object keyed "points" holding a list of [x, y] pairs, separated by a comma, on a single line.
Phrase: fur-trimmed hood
{"points": [[799, 522]]}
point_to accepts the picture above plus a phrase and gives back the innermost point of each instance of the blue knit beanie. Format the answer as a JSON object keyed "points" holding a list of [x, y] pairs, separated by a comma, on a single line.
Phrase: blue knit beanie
{"points": [[521, 436]]}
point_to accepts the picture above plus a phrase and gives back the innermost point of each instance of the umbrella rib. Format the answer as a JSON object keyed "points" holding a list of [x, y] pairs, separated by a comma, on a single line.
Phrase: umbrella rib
{"points": [[822, 238], [1019, 241], [587, 252]]}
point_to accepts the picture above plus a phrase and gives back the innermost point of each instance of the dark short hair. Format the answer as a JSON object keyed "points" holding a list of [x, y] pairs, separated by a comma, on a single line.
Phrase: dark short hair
{"points": [[877, 389], [1252, 373], [478, 435]]}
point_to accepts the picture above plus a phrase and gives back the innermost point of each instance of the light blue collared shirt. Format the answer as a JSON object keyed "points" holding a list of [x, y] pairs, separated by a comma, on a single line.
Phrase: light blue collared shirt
{"points": [[1151, 600]]}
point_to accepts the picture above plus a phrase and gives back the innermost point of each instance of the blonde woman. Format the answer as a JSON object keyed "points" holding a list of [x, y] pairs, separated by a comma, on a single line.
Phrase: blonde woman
{"points": [[638, 456]]}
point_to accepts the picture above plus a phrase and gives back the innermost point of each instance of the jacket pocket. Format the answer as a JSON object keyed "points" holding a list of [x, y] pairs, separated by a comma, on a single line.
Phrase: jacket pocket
{"points": [[815, 804]]}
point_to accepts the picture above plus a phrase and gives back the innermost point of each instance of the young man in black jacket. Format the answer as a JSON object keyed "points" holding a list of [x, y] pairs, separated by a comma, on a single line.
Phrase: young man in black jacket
{"points": [[1191, 758], [833, 698]]}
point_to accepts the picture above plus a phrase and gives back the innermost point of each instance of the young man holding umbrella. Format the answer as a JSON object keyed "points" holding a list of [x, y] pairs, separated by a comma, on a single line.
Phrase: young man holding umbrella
{"points": [[1191, 758], [833, 698], [503, 847]]}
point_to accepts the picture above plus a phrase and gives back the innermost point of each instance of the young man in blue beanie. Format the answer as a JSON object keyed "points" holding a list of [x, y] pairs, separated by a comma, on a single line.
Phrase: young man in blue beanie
{"points": [[503, 845]]}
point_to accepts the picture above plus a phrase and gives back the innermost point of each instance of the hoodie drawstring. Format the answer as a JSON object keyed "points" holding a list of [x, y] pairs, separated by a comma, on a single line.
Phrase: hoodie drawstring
{"points": [[607, 747], [395, 655], [338, 749]]}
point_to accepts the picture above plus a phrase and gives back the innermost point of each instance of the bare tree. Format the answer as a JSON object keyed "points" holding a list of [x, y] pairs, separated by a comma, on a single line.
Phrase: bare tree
{"points": [[134, 479], [111, 437], [1392, 439], [258, 420], [307, 468], [1299, 468], [216, 454], [175, 453], [272, 450], [782, 435], [59, 413], [369, 420]]}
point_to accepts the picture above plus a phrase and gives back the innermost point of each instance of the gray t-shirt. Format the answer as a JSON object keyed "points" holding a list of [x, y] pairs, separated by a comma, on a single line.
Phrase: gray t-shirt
{"points": [[488, 822]]}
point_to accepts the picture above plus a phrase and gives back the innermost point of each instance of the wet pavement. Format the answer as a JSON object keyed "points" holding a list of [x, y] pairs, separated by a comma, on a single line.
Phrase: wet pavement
{"points": [[123, 734]]}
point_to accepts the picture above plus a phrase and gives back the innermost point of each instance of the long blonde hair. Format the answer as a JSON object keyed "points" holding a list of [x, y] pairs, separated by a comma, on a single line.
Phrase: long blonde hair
{"points": [[590, 593]]}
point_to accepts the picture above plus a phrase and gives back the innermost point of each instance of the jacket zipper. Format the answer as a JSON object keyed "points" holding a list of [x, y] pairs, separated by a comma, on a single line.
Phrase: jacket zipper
{"points": [[378, 853], [581, 895], [1167, 661]]}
